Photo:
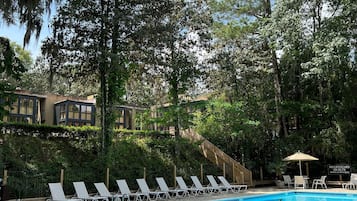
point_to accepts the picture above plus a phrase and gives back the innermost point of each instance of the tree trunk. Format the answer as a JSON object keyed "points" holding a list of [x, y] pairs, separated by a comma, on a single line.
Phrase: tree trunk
{"points": [[103, 108], [175, 101], [104, 82], [282, 126]]}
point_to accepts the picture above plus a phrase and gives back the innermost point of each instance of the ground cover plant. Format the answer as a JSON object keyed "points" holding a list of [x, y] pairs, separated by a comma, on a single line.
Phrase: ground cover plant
{"points": [[33, 161]]}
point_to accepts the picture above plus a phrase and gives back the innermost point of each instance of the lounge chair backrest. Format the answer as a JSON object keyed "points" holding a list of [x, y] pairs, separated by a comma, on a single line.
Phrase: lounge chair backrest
{"points": [[287, 179], [299, 180], [181, 183], [57, 192], [102, 189], [123, 186], [162, 183], [143, 185], [323, 178], [224, 181], [212, 181], [196, 182], [81, 189], [353, 178]]}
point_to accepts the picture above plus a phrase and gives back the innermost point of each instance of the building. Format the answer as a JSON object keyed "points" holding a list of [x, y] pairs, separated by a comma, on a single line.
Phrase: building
{"points": [[26, 108], [52, 109]]}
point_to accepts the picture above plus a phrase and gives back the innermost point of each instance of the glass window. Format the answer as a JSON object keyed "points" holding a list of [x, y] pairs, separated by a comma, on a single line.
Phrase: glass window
{"points": [[14, 107], [30, 107], [23, 105], [26, 105], [119, 116], [62, 112], [73, 111], [86, 112]]}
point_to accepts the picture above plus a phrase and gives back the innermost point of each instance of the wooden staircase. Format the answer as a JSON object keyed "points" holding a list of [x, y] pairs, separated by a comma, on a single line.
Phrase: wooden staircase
{"points": [[231, 167]]}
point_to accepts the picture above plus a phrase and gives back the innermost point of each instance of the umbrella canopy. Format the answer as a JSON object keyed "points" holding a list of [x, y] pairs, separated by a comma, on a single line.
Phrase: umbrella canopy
{"points": [[299, 156]]}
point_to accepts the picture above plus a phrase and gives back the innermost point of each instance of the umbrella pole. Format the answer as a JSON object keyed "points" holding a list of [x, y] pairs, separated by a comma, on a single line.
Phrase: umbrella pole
{"points": [[300, 167]]}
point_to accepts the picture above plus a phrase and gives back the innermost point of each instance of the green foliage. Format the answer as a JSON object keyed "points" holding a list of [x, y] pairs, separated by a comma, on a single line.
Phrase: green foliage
{"points": [[167, 56], [33, 162], [38, 79], [228, 126], [23, 55], [225, 118], [293, 65], [48, 131], [11, 68], [83, 46]]}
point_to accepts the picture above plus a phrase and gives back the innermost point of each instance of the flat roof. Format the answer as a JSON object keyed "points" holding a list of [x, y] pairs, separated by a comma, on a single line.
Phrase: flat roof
{"points": [[75, 100], [25, 93]]}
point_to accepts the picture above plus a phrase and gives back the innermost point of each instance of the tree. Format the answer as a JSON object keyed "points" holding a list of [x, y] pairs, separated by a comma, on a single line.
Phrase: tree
{"points": [[304, 48], [37, 80], [11, 67], [319, 56], [94, 42], [241, 22], [169, 46], [23, 55]]}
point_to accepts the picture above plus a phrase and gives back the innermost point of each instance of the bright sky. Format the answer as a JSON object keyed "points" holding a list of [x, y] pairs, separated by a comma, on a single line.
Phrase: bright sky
{"points": [[16, 34]]}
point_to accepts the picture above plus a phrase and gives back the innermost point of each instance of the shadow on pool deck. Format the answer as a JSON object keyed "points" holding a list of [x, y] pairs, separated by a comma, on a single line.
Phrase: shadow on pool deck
{"points": [[260, 191]]}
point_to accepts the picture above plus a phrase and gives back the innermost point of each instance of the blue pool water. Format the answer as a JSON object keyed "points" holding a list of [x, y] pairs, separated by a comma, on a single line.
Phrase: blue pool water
{"points": [[297, 196]]}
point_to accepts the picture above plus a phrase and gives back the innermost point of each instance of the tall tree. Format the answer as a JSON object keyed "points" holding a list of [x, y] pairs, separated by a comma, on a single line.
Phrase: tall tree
{"points": [[92, 38], [170, 45], [11, 67], [242, 22], [306, 47], [317, 52], [37, 80]]}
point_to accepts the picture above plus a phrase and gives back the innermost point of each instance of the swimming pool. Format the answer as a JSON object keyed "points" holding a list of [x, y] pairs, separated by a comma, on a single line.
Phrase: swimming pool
{"points": [[297, 196]]}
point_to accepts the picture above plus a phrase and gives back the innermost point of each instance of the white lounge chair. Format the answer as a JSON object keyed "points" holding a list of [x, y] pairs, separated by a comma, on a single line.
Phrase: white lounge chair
{"points": [[104, 192], [214, 184], [319, 182], [287, 181], [82, 193], [144, 188], [235, 188], [125, 191], [352, 184], [299, 182], [175, 192], [204, 189], [57, 193], [182, 185]]}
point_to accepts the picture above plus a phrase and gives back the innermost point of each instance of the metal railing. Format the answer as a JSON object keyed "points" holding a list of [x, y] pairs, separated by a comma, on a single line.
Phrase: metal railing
{"points": [[23, 184]]}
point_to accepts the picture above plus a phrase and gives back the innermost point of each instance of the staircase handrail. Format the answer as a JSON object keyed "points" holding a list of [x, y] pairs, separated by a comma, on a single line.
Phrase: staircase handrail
{"points": [[219, 155]]}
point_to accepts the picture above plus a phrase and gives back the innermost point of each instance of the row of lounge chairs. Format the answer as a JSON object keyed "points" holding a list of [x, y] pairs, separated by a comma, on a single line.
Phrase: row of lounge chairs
{"points": [[144, 192]]}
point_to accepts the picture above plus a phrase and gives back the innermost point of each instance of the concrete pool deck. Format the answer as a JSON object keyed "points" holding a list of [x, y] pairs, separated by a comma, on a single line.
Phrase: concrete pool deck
{"points": [[259, 191], [250, 191]]}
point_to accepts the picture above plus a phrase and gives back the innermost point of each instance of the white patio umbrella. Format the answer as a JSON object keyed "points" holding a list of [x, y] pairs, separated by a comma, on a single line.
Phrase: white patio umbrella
{"points": [[299, 156]]}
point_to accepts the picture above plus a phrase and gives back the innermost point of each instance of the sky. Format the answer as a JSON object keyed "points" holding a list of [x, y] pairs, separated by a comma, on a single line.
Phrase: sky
{"points": [[15, 33]]}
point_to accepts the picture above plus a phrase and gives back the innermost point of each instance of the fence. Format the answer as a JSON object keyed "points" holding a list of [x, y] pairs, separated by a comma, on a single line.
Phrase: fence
{"points": [[24, 184]]}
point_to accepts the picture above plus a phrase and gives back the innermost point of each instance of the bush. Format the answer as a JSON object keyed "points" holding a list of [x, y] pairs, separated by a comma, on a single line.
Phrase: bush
{"points": [[33, 160]]}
